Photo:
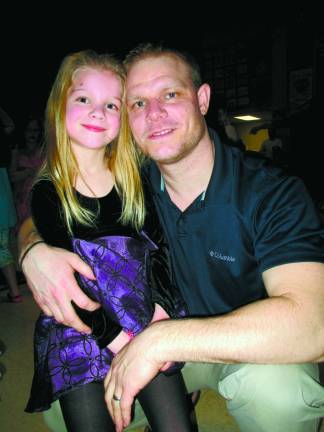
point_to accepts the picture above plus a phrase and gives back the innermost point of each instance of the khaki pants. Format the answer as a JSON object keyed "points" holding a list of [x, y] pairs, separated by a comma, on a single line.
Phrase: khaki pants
{"points": [[261, 398]]}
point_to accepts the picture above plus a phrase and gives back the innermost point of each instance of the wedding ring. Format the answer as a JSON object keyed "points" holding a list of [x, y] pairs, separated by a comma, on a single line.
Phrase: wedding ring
{"points": [[116, 398]]}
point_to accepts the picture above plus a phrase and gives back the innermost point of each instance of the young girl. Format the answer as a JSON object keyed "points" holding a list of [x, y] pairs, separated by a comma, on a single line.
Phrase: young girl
{"points": [[89, 198], [26, 161]]}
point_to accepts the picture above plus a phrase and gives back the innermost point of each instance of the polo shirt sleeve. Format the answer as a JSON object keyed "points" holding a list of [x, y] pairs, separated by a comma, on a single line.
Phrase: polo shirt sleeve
{"points": [[287, 227]]}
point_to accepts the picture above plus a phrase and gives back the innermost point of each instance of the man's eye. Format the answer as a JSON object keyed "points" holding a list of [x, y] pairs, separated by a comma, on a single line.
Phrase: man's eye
{"points": [[170, 95], [139, 104]]}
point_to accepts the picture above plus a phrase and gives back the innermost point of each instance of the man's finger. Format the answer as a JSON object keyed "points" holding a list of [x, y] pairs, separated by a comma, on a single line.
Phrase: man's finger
{"points": [[55, 312], [70, 317], [116, 406], [47, 311], [81, 299], [80, 266], [109, 391], [38, 299], [126, 407], [166, 366]]}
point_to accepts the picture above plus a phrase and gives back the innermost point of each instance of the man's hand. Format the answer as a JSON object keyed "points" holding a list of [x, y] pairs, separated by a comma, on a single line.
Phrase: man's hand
{"points": [[131, 370], [50, 276]]}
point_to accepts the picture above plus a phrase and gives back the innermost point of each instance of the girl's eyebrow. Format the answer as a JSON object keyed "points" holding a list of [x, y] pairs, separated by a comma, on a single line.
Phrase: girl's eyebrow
{"points": [[73, 89]]}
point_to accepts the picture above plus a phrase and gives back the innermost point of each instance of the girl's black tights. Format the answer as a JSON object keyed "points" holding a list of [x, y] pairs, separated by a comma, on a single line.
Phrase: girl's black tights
{"points": [[84, 409], [163, 401], [165, 404]]}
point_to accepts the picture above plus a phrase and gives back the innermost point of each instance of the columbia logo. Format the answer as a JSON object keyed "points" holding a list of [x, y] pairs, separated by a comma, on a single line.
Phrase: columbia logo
{"points": [[220, 256]]}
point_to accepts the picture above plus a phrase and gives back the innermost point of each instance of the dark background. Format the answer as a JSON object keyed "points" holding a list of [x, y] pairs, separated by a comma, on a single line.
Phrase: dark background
{"points": [[34, 42]]}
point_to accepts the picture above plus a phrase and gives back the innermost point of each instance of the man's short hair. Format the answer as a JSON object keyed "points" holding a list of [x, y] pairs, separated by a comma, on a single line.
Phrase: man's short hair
{"points": [[146, 50]]}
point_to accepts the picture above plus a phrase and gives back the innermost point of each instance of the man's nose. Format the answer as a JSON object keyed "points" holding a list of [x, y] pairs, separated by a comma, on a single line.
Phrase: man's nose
{"points": [[156, 111]]}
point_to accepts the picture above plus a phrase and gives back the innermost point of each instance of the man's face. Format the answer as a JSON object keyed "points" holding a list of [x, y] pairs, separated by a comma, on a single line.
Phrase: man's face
{"points": [[164, 108]]}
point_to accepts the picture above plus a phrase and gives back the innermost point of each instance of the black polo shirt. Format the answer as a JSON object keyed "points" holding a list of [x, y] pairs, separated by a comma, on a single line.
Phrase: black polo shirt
{"points": [[251, 217]]}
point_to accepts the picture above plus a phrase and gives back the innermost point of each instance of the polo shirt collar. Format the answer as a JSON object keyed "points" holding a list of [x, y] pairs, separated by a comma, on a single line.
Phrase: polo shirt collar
{"points": [[219, 180], [162, 188]]}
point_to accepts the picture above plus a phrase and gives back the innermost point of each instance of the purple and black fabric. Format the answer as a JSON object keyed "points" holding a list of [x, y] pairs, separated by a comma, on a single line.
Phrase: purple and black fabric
{"points": [[120, 266], [66, 358]]}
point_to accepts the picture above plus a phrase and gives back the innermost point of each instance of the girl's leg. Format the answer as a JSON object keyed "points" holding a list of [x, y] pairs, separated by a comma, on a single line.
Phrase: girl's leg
{"points": [[84, 409], [165, 404], [7, 265]]}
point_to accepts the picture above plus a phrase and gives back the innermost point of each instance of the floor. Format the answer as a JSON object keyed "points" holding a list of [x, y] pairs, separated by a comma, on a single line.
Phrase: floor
{"points": [[16, 330]]}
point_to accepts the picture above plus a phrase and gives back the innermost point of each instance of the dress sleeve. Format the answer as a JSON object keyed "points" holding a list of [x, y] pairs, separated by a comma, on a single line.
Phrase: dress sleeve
{"points": [[46, 212], [160, 273]]}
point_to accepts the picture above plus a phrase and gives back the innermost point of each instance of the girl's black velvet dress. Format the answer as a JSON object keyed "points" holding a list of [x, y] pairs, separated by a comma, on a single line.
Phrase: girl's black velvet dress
{"points": [[132, 273]]}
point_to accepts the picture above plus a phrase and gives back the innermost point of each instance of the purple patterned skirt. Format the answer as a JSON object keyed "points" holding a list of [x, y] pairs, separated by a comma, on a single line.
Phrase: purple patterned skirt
{"points": [[65, 358]]}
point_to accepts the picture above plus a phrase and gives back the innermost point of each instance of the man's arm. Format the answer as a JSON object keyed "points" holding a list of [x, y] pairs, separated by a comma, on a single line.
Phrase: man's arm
{"points": [[287, 327], [50, 276]]}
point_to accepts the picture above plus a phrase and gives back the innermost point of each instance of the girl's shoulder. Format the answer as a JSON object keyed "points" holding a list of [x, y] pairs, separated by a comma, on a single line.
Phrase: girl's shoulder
{"points": [[43, 185], [42, 191]]}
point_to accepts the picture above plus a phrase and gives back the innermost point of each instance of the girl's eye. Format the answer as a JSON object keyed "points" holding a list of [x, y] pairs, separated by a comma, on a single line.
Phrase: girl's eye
{"points": [[112, 106], [83, 99]]}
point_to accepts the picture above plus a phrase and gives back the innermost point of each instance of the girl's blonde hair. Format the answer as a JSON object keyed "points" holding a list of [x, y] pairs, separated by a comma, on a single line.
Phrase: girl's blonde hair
{"points": [[61, 166]]}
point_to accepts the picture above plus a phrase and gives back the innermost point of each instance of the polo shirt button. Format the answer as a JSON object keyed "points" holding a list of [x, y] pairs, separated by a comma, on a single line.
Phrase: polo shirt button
{"points": [[181, 226], [181, 222]]}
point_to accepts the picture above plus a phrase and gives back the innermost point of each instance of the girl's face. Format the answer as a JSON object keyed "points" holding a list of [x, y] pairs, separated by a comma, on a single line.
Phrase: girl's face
{"points": [[32, 134], [93, 109]]}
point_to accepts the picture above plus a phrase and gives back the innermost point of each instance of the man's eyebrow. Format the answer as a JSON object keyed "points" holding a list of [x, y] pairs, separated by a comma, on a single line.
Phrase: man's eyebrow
{"points": [[133, 97], [167, 87]]}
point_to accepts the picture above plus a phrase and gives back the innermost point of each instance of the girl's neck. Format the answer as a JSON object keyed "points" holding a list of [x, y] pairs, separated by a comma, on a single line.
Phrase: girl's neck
{"points": [[94, 178], [95, 184]]}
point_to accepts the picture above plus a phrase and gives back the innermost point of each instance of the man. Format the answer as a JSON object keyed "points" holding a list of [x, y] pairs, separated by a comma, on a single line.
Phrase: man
{"points": [[247, 251]]}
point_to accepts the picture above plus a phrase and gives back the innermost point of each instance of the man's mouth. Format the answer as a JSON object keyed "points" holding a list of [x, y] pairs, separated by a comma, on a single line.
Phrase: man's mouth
{"points": [[160, 133]]}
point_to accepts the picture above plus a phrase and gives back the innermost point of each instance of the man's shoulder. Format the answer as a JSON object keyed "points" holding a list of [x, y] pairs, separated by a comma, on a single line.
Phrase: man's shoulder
{"points": [[256, 168], [254, 179]]}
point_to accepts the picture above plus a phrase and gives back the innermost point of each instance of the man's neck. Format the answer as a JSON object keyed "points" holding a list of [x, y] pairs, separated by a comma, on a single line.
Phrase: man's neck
{"points": [[185, 180]]}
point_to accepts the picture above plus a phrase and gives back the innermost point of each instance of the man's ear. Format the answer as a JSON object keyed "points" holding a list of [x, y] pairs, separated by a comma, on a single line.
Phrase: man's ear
{"points": [[204, 98]]}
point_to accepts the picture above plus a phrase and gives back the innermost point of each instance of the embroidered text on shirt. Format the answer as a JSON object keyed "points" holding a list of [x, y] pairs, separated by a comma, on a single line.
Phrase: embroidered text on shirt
{"points": [[220, 256]]}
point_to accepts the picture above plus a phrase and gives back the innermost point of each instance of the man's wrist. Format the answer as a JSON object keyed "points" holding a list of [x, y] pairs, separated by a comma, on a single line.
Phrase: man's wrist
{"points": [[161, 331], [27, 236], [26, 251]]}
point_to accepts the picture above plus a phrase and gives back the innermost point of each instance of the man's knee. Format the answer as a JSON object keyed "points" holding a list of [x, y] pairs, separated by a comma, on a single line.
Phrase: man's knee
{"points": [[53, 418], [198, 376], [290, 391]]}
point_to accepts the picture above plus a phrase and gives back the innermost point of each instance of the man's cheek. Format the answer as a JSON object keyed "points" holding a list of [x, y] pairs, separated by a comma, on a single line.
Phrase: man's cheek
{"points": [[135, 125]]}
